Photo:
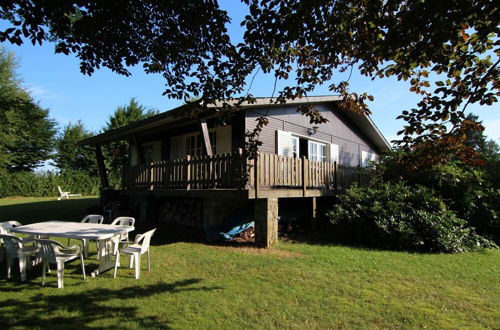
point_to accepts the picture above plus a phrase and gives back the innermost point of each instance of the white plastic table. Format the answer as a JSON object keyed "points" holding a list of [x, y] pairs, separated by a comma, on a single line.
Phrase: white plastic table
{"points": [[77, 230]]}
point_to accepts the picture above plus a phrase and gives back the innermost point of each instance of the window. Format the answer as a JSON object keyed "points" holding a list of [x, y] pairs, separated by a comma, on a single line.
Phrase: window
{"points": [[367, 157], [147, 153], [295, 147], [194, 144], [317, 151]]}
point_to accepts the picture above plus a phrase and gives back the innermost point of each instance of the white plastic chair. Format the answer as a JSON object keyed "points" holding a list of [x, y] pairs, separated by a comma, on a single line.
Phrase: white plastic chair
{"points": [[6, 229], [135, 251], [55, 253], [65, 194], [91, 218], [124, 221], [15, 248]]}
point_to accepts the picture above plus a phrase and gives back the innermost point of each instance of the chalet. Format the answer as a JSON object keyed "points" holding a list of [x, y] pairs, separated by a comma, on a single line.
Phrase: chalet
{"points": [[192, 171]]}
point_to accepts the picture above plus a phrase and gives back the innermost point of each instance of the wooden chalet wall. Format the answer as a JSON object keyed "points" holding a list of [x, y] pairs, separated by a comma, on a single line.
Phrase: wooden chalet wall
{"points": [[338, 130]]}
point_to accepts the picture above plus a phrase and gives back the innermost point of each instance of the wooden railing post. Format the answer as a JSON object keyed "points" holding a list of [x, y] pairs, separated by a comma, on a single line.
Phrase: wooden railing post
{"points": [[256, 174], [241, 173], [151, 176], [187, 172], [305, 175]]}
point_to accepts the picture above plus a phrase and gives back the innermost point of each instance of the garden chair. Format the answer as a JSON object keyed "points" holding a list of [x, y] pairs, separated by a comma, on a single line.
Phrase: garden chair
{"points": [[15, 248], [91, 218], [65, 194], [139, 247], [6, 229], [124, 221], [54, 252]]}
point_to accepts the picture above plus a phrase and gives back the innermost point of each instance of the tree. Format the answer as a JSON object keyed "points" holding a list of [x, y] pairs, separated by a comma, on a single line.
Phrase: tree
{"points": [[70, 156], [456, 43], [26, 131], [117, 152]]}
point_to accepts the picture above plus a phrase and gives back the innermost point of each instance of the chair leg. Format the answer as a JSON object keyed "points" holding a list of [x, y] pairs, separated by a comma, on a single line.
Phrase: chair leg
{"points": [[137, 257], [9, 265], [83, 266], [85, 247], [44, 268], [117, 261], [149, 261], [60, 274], [131, 261], [22, 268], [97, 248]]}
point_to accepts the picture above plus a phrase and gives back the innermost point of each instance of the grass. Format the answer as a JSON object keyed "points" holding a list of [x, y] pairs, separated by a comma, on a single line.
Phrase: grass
{"points": [[295, 285], [34, 209]]}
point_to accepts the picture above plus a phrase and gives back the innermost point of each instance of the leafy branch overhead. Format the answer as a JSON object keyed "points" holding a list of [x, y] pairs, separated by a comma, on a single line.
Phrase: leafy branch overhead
{"points": [[447, 51]]}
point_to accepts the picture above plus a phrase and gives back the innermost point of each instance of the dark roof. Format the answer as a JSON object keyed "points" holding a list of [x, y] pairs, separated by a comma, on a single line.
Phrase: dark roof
{"points": [[363, 122]]}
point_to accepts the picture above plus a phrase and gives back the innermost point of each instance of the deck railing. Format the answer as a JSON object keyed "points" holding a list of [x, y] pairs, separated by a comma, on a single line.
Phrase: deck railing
{"points": [[235, 171]]}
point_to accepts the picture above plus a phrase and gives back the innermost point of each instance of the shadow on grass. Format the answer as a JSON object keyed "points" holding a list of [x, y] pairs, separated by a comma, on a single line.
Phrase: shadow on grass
{"points": [[89, 309], [66, 210]]}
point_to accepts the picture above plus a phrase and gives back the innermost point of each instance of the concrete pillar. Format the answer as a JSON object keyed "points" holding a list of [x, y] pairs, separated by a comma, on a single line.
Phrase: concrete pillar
{"points": [[266, 222]]}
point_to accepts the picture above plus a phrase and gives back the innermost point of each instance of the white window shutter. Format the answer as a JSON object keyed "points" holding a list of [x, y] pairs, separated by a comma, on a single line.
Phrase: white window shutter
{"points": [[284, 143], [334, 153], [374, 157]]}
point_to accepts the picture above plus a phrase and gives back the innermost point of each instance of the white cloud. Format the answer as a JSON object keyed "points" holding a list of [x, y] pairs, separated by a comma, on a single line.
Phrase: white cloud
{"points": [[40, 93]]}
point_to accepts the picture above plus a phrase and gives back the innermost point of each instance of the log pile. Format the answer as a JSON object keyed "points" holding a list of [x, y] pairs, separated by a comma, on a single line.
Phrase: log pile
{"points": [[182, 211]]}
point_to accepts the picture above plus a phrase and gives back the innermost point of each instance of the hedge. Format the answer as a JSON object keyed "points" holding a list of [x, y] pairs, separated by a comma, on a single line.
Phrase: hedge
{"points": [[44, 184]]}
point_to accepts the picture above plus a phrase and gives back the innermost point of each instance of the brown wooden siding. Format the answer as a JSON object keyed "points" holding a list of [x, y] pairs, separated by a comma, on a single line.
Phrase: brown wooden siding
{"points": [[338, 130]]}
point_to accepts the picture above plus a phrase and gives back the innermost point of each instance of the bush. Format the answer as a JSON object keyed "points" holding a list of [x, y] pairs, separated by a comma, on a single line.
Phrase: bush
{"points": [[398, 216], [45, 184], [466, 190]]}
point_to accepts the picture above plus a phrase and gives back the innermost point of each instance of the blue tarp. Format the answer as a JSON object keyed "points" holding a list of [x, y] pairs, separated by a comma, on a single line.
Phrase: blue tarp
{"points": [[229, 235], [236, 223]]}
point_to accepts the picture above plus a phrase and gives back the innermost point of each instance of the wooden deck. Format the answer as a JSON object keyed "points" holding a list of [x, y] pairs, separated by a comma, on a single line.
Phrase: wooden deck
{"points": [[233, 176]]}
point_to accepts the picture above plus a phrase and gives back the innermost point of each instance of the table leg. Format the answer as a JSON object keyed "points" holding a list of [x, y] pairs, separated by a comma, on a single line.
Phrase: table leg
{"points": [[106, 252]]}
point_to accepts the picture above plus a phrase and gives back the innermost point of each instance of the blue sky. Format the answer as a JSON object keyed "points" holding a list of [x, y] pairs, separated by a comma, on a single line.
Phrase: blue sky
{"points": [[56, 83]]}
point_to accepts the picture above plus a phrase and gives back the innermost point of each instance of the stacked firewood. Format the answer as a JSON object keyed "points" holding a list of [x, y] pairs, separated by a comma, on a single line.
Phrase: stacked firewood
{"points": [[187, 212]]}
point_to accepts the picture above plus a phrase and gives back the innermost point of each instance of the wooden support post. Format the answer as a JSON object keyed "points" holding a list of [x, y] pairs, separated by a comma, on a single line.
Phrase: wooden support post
{"points": [[266, 222], [305, 175], [102, 167], [187, 172], [205, 137]]}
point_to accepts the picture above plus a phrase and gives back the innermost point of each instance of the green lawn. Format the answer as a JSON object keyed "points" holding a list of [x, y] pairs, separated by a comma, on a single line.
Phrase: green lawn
{"points": [[34, 209], [193, 285]]}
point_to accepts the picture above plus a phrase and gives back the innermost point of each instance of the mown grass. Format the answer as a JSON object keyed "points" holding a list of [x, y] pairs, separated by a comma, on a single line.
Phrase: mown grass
{"points": [[33, 209], [295, 285]]}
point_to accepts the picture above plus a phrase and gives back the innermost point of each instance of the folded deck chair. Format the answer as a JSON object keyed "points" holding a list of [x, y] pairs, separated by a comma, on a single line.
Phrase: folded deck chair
{"points": [[65, 194]]}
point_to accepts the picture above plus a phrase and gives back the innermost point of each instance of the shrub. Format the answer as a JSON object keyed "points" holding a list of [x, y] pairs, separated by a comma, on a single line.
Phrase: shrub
{"points": [[398, 216], [45, 184], [468, 191]]}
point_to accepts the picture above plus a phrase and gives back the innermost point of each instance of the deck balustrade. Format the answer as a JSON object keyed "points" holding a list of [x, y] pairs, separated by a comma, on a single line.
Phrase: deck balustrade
{"points": [[234, 171]]}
